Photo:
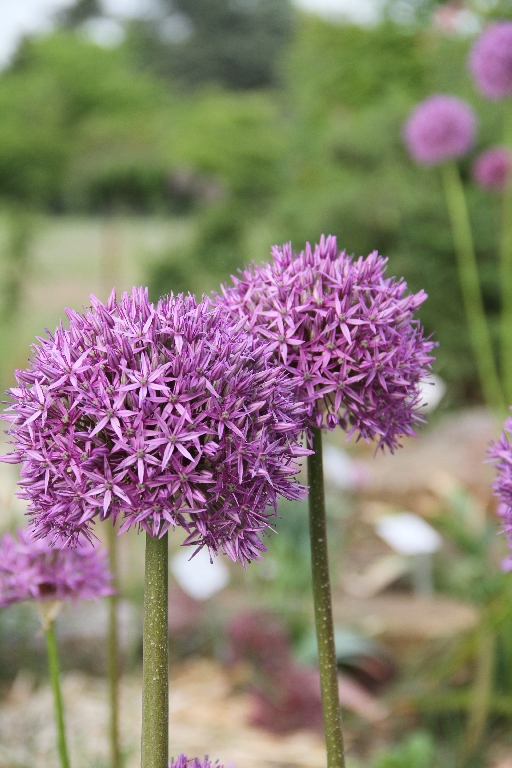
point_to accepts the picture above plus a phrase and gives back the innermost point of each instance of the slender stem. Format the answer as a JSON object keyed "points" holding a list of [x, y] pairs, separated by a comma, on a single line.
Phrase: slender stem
{"points": [[482, 693], [113, 652], [506, 272], [323, 607], [155, 679], [53, 668], [470, 286]]}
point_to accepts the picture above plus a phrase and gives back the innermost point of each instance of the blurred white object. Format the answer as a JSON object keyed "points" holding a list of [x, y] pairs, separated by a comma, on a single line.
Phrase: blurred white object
{"points": [[340, 470], [198, 577], [432, 389], [408, 534]]}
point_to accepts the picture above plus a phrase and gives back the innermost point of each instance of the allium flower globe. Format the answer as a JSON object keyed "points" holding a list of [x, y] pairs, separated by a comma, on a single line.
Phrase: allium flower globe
{"points": [[30, 569], [490, 60], [345, 333], [440, 128], [493, 168], [166, 415]]}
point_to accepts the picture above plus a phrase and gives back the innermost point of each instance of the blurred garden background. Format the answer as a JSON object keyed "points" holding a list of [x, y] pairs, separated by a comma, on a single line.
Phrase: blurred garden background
{"points": [[167, 147]]}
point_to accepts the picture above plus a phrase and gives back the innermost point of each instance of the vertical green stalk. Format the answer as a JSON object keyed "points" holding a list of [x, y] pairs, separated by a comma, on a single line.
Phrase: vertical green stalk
{"points": [[481, 699], [323, 608], [470, 287], [506, 272], [53, 668], [113, 652], [155, 665]]}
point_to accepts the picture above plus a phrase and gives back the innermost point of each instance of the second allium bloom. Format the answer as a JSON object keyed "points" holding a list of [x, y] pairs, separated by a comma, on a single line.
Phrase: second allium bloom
{"points": [[440, 128], [166, 415], [344, 331]]}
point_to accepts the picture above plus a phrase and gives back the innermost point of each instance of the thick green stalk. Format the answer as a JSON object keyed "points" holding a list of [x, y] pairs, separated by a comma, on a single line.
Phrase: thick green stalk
{"points": [[506, 272], [323, 608], [53, 668], [470, 287], [113, 652], [155, 674]]}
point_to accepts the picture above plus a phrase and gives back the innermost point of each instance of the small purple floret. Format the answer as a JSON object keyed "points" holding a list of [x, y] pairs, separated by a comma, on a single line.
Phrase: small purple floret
{"points": [[440, 128], [493, 168], [166, 415], [490, 60], [30, 569], [344, 331]]}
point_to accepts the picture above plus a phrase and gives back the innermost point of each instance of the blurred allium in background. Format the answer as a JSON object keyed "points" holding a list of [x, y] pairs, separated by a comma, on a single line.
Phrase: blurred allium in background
{"points": [[183, 761], [490, 60], [440, 128], [344, 331], [167, 415], [32, 570], [501, 456], [493, 168]]}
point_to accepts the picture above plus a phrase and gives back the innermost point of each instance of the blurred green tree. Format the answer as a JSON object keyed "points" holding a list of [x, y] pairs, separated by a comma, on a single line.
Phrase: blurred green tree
{"points": [[236, 43]]}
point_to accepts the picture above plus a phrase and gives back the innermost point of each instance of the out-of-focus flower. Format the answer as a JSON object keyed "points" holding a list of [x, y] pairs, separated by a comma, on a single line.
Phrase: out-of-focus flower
{"points": [[493, 168], [344, 331], [501, 456], [490, 60], [31, 569], [167, 415], [440, 128], [183, 761]]}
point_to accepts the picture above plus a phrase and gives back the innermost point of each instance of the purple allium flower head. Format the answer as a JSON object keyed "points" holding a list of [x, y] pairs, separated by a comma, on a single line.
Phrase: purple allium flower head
{"points": [[183, 761], [30, 569], [440, 128], [493, 168], [344, 331], [490, 60], [166, 415]]}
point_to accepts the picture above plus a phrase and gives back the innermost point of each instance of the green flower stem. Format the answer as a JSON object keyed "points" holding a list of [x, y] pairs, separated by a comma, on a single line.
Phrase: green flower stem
{"points": [[53, 668], [155, 665], [113, 652], [323, 607], [470, 287], [506, 272]]}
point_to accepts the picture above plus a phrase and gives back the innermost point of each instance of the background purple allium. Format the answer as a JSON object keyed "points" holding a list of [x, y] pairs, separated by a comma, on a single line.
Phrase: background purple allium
{"points": [[493, 168], [344, 331], [440, 128], [193, 762], [31, 569], [166, 415], [501, 456], [490, 60]]}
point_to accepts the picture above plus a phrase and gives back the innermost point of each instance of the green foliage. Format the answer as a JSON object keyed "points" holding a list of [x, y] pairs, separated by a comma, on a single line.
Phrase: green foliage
{"points": [[417, 751], [66, 105]]}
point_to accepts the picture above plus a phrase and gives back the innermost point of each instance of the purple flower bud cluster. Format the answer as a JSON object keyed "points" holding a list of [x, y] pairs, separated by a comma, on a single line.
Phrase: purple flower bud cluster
{"points": [[193, 762], [493, 168], [345, 333], [30, 569], [440, 128], [490, 61], [166, 415]]}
